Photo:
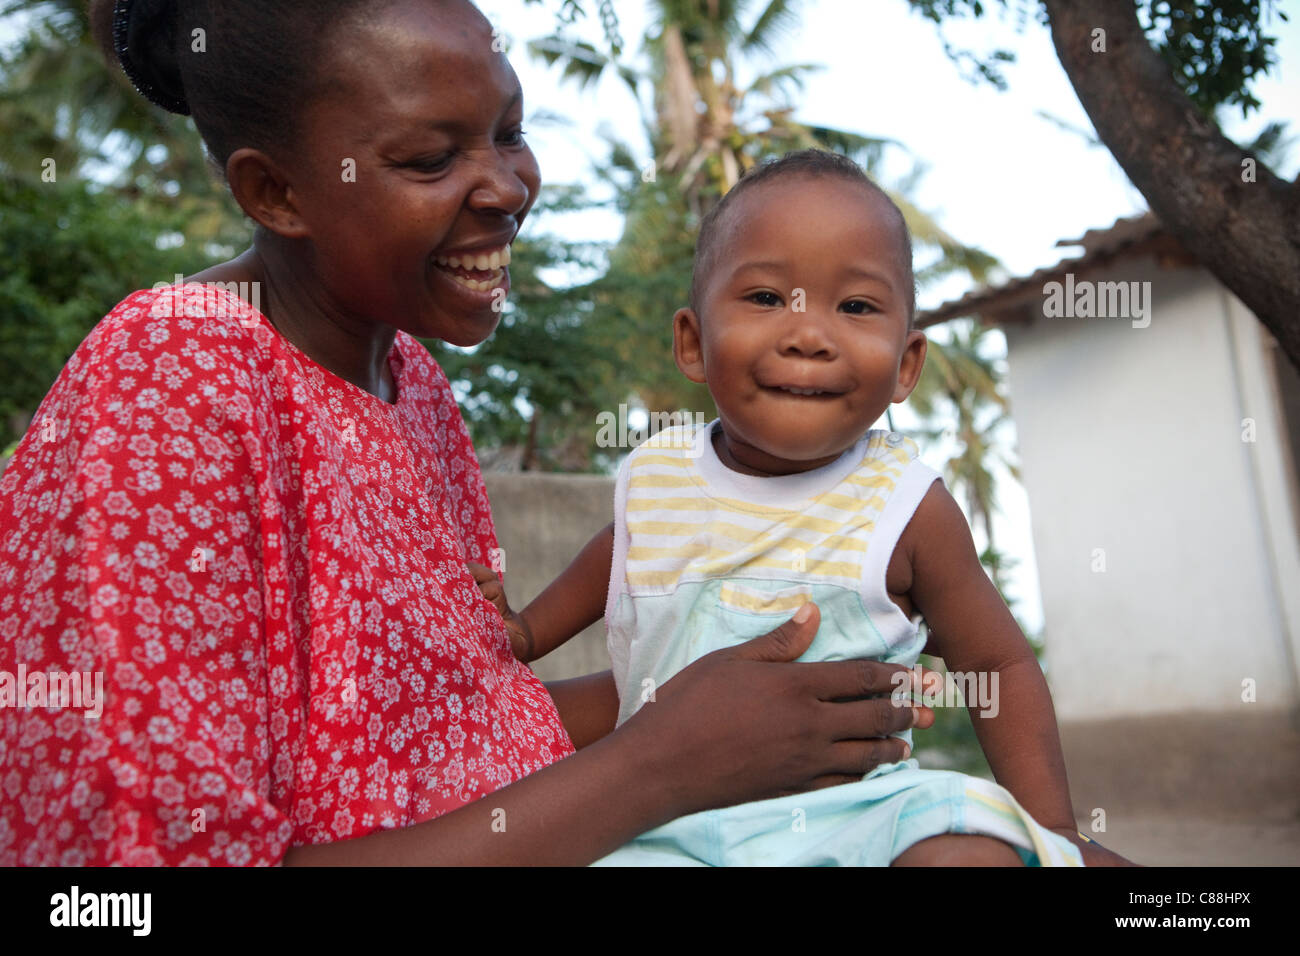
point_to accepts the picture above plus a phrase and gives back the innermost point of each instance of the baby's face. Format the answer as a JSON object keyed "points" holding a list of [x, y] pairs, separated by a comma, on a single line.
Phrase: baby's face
{"points": [[802, 331]]}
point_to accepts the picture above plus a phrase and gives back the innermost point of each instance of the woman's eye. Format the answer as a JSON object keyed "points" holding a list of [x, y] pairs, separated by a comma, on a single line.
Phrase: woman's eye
{"points": [[432, 164], [858, 307], [765, 298], [513, 138]]}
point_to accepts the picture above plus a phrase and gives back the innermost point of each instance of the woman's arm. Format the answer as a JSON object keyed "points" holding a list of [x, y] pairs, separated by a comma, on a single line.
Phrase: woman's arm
{"points": [[739, 724], [125, 536]]}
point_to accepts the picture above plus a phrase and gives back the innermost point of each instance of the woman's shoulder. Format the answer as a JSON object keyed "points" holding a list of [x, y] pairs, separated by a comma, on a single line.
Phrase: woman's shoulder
{"points": [[196, 353], [215, 311], [159, 333]]}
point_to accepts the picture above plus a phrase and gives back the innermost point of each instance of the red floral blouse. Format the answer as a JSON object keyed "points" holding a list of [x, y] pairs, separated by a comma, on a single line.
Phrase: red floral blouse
{"points": [[264, 568]]}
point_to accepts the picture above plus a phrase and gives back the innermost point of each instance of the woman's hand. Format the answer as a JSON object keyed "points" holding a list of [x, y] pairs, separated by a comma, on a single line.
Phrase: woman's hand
{"points": [[741, 724]]}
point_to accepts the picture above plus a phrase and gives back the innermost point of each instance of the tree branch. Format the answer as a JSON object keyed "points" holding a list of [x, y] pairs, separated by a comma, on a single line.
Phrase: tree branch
{"points": [[1246, 233]]}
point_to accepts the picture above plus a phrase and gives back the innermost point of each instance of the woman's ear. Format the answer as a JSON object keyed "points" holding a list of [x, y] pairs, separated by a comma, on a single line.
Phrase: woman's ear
{"points": [[909, 369], [688, 345], [262, 191]]}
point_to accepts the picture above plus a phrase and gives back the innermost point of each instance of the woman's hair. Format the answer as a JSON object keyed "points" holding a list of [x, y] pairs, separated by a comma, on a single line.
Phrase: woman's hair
{"points": [[244, 69]]}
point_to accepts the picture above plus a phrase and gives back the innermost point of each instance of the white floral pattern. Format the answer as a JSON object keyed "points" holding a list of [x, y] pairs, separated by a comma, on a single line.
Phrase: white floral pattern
{"points": [[267, 564]]}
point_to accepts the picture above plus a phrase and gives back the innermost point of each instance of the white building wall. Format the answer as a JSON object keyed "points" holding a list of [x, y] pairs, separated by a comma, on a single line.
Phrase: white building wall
{"points": [[1132, 455]]}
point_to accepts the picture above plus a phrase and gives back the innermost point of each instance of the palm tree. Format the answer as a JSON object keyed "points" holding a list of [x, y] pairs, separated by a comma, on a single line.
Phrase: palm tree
{"points": [[703, 131], [701, 126]]}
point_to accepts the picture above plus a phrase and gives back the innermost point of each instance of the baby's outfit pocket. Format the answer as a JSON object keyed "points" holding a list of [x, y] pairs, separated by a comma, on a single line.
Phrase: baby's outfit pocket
{"points": [[745, 600]]}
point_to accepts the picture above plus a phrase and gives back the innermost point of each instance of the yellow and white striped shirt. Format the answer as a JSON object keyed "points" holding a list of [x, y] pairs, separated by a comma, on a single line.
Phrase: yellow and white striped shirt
{"points": [[706, 557]]}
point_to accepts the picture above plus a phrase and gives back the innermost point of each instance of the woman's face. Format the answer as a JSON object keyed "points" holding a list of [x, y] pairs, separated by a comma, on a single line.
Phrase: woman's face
{"points": [[413, 158]]}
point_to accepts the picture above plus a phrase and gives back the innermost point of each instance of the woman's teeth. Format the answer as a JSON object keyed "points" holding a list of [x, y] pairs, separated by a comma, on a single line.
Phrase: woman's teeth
{"points": [[479, 285], [479, 272], [482, 262]]}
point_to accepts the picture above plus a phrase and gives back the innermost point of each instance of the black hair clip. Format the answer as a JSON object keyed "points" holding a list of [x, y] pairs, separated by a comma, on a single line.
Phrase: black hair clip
{"points": [[121, 29]]}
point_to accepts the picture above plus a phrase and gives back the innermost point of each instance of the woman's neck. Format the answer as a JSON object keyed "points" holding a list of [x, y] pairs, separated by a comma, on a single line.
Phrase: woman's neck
{"points": [[295, 302]]}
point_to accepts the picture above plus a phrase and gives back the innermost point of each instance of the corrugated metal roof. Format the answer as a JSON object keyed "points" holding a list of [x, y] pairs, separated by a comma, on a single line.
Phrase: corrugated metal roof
{"points": [[1126, 236]]}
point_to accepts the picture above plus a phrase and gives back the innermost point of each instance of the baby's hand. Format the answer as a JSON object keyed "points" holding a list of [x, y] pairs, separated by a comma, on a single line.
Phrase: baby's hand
{"points": [[1093, 853], [521, 638]]}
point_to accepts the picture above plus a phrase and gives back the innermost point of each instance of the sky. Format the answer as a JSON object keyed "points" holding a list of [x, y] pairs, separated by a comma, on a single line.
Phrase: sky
{"points": [[999, 175]]}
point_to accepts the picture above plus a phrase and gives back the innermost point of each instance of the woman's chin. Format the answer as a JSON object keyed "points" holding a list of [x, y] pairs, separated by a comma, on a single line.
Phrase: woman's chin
{"points": [[462, 316], [466, 330]]}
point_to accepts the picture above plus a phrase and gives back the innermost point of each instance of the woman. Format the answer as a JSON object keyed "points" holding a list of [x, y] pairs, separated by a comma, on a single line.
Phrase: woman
{"points": [[253, 523]]}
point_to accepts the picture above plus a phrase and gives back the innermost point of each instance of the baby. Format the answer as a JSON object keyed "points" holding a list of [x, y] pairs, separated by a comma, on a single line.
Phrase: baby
{"points": [[801, 325]]}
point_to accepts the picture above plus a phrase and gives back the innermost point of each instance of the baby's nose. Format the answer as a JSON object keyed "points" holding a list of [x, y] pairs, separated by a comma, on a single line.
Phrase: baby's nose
{"points": [[806, 337]]}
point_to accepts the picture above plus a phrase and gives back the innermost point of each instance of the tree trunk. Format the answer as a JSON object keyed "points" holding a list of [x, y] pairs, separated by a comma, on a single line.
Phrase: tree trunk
{"points": [[678, 117], [1246, 233], [529, 460]]}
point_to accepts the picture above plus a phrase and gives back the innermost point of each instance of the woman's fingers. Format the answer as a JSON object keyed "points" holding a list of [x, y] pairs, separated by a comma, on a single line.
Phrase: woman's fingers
{"points": [[860, 757], [856, 720], [854, 759], [842, 680], [836, 680]]}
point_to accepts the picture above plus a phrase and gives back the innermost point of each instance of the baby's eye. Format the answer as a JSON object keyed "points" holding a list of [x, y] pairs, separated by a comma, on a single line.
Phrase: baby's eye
{"points": [[858, 307], [764, 298]]}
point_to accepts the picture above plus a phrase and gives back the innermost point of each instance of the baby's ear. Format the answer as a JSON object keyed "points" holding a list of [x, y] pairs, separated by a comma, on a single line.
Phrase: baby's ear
{"points": [[688, 345], [909, 369]]}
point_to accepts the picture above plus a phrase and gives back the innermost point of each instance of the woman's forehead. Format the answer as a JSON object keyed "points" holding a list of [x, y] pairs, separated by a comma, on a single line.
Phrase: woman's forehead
{"points": [[417, 53]]}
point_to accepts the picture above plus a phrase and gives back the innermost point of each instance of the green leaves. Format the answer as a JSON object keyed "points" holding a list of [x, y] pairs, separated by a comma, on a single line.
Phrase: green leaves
{"points": [[580, 61], [1214, 50], [71, 253]]}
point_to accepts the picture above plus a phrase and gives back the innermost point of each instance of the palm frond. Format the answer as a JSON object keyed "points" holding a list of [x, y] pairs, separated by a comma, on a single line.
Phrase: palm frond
{"points": [[579, 60], [777, 20]]}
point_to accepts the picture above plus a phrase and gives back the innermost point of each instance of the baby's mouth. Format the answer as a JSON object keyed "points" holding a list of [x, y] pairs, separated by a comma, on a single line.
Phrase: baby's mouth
{"points": [[810, 392], [478, 271]]}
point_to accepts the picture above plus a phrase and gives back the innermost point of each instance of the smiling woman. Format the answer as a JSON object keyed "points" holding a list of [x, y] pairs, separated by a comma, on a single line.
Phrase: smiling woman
{"points": [[254, 516]]}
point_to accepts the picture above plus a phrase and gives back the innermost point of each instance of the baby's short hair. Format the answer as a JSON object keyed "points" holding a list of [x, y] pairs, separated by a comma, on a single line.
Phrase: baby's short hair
{"points": [[804, 162]]}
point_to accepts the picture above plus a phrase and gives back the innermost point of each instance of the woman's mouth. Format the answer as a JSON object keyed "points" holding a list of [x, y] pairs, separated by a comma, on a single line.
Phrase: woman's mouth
{"points": [[479, 271]]}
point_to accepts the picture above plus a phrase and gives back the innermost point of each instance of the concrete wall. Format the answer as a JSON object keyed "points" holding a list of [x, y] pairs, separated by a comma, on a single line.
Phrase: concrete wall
{"points": [[542, 522], [1132, 453]]}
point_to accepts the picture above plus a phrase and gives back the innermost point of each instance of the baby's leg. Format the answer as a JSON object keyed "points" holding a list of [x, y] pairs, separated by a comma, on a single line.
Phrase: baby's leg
{"points": [[959, 849]]}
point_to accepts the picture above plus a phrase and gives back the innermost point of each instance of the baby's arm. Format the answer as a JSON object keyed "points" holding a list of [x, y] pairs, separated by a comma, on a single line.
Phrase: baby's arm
{"points": [[972, 630], [572, 602]]}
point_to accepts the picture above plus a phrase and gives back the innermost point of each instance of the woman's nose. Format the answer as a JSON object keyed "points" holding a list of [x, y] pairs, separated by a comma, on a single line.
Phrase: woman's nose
{"points": [[502, 184]]}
